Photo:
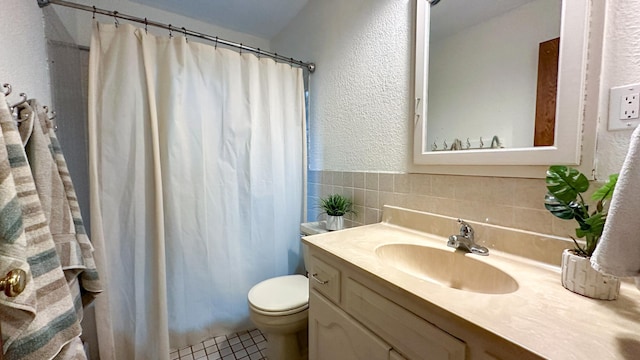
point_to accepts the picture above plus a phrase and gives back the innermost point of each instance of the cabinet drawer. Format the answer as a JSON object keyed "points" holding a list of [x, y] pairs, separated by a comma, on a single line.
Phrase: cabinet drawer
{"points": [[325, 279], [412, 336]]}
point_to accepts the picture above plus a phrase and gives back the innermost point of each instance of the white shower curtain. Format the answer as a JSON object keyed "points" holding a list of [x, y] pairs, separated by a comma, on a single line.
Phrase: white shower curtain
{"points": [[196, 170]]}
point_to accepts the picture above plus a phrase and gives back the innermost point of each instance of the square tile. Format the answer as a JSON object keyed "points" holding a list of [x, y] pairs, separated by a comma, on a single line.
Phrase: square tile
{"points": [[185, 351], [211, 349]]}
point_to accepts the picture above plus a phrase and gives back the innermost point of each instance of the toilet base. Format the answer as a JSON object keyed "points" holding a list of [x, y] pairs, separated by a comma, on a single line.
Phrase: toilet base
{"points": [[286, 335]]}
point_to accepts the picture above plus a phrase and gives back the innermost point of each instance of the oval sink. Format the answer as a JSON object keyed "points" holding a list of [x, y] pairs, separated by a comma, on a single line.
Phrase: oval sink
{"points": [[456, 270]]}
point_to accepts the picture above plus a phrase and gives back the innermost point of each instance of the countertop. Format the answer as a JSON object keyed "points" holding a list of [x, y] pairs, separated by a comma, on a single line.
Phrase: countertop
{"points": [[540, 316]]}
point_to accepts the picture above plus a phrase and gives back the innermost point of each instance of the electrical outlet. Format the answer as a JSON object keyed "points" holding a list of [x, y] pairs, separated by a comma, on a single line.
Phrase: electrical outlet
{"points": [[629, 107], [624, 107]]}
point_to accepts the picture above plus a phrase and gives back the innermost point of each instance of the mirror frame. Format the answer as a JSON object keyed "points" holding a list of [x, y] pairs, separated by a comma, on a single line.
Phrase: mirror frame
{"points": [[574, 35]]}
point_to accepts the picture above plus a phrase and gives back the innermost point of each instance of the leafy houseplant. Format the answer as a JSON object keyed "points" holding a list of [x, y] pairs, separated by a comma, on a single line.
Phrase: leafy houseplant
{"points": [[336, 206], [564, 199]]}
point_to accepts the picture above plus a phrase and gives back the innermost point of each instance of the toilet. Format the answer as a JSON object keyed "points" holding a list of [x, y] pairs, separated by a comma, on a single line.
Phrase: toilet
{"points": [[279, 307]]}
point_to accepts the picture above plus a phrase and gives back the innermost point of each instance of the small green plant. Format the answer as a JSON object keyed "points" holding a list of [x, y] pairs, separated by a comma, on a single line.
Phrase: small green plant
{"points": [[337, 205], [564, 199]]}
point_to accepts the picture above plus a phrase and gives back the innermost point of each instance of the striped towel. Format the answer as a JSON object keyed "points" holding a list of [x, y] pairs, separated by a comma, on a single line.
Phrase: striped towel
{"points": [[55, 327], [18, 312], [61, 207]]}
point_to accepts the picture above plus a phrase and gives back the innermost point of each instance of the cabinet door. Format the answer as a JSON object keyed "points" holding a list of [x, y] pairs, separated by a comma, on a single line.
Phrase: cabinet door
{"points": [[335, 336]]}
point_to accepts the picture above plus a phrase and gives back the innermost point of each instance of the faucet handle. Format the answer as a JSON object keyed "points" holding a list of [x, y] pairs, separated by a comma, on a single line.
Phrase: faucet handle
{"points": [[465, 229]]}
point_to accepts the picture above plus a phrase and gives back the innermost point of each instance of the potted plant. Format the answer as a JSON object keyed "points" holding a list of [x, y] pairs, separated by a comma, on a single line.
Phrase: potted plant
{"points": [[564, 200], [336, 206]]}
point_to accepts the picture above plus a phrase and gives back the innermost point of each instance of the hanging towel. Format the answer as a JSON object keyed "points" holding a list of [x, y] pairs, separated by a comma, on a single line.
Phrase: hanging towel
{"points": [[61, 208], [618, 252], [55, 328], [16, 313], [89, 279]]}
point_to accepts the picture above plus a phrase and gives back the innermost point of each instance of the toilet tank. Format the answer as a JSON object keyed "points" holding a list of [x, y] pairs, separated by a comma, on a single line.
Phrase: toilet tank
{"points": [[310, 228]]}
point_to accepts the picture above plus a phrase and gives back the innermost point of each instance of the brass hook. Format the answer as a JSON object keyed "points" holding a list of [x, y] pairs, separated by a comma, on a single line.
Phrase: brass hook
{"points": [[184, 31], [146, 26], [216, 45], [240, 48], [170, 31], [115, 18], [94, 12]]}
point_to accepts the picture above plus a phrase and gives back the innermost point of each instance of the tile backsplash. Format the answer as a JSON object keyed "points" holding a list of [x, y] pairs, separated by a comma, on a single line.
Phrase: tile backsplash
{"points": [[510, 202]]}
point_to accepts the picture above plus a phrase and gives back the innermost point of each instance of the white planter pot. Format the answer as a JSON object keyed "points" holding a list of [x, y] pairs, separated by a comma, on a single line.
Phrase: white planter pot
{"points": [[335, 222], [579, 277]]}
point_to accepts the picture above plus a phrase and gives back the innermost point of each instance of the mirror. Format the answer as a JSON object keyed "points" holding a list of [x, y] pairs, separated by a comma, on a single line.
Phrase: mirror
{"points": [[493, 93]]}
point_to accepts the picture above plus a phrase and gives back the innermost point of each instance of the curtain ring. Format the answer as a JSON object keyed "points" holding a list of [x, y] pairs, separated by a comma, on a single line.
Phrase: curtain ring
{"points": [[184, 31], [170, 32], [259, 52], [94, 12], [240, 48], [216, 45], [146, 26], [291, 63], [115, 18]]}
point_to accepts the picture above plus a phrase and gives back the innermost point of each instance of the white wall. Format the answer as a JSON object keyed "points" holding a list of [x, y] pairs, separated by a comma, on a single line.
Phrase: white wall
{"points": [[494, 62], [23, 59], [361, 90], [621, 62]]}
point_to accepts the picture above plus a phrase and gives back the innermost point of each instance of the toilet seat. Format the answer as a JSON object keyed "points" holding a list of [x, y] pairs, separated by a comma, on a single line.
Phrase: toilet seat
{"points": [[283, 295]]}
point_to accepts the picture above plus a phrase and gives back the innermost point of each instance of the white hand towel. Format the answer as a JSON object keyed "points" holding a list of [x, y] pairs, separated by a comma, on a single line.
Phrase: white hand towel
{"points": [[618, 252]]}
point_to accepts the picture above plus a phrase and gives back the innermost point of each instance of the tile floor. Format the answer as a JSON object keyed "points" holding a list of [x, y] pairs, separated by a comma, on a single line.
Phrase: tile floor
{"points": [[246, 345]]}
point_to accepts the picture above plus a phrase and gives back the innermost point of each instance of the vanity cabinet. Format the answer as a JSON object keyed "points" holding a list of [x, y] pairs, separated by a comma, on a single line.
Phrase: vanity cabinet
{"points": [[333, 335], [348, 320]]}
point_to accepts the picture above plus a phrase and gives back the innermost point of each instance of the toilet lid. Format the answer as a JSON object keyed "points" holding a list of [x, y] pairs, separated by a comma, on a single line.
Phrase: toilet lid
{"points": [[280, 294]]}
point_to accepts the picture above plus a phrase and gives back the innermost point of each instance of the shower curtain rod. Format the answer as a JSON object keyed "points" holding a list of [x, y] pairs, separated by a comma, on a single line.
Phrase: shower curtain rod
{"points": [[309, 66]]}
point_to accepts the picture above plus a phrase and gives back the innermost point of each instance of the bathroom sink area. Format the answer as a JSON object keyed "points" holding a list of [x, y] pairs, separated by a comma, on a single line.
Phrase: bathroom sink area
{"points": [[446, 267], [507, 305]]}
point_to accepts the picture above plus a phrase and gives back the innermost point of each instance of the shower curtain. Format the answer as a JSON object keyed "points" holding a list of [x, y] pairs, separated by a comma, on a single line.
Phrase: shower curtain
{"points": [[196, 171]]}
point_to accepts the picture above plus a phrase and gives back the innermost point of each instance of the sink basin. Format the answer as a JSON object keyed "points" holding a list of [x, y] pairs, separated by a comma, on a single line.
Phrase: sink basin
{"points": [[453, 269]]}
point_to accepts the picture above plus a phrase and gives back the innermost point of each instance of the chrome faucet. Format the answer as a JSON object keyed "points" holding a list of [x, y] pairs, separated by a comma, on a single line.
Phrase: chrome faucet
{"points": [[465, 240]]}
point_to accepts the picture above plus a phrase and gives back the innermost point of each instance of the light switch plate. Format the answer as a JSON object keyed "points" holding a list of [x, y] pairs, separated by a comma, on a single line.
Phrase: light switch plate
{"points": [[624, 107]]}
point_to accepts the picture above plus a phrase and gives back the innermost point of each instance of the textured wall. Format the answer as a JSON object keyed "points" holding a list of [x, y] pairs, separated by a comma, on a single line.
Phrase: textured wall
{"points": [[621, 66], [361, 91], [23, 63]]}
